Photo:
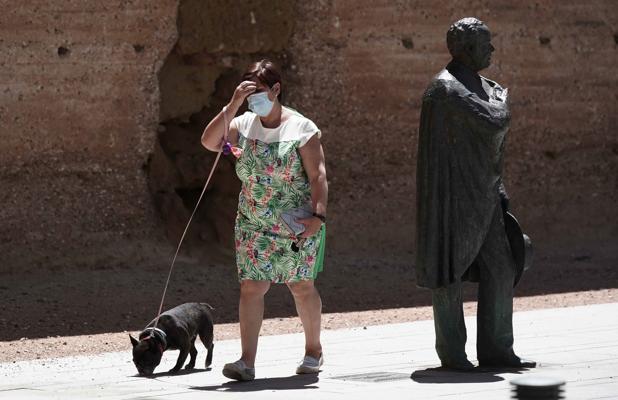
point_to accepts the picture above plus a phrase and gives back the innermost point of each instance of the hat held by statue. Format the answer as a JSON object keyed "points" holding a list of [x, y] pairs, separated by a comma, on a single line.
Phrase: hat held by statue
{"points": [[521, 245]]}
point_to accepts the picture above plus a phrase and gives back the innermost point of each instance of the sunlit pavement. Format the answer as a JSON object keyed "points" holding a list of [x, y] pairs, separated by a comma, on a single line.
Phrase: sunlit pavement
{"points": [[578, 345]]}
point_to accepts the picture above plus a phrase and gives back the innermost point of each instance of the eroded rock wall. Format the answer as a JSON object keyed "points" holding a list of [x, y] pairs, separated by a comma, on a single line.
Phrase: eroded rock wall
{"points": [[360, 71], [79, 103], [102, 104], [217, 40]]}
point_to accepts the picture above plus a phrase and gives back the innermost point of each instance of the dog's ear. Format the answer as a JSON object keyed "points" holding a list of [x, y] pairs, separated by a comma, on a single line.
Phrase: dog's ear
{"points": [[134, 341]]}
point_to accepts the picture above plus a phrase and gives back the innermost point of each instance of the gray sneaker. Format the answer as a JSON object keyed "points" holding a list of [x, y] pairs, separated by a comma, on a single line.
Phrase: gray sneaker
{"points": [[310, 365], [239, 371]]}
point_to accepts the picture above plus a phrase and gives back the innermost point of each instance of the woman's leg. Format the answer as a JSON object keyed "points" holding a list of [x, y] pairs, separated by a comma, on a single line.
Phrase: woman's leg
{"points": [[251, 313], [309, 308]]}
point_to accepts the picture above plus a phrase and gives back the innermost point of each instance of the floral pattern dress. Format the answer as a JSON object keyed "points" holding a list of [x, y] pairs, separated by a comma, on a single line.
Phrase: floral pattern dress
{"points": [[273, 180]]}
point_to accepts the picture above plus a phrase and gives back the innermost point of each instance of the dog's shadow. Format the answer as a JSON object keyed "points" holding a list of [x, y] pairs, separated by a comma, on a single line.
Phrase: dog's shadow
{"points": [[476, 375], [179, 373], [305, 381]]}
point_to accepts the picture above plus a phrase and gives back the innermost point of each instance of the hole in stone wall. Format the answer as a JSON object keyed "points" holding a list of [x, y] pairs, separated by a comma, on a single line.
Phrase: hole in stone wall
{"points": [[407, 43], [552, 155], [63, 51], [178, 170], [197, 79]]}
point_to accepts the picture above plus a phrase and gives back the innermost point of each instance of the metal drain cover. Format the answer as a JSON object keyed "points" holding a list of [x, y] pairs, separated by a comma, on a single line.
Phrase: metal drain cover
{"points": [[374, 377]]}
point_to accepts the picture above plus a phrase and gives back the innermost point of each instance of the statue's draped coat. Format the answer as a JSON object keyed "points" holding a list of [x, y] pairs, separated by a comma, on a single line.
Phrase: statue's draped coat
{"points": [[459, 168]]}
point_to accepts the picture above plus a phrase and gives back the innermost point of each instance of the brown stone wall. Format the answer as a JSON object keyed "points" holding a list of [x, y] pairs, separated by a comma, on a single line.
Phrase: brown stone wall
{"points": [[79, 105], [360, 69], [80, 118]]}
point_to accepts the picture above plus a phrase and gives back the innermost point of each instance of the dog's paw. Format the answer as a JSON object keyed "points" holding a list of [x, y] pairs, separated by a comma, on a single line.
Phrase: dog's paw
{"points": [[174, 370], [190, 366]]}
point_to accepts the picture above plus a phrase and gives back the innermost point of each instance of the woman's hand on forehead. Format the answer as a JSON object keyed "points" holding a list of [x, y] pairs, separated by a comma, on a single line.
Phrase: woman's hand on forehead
{"points": [[244, 89], [247, 85]]}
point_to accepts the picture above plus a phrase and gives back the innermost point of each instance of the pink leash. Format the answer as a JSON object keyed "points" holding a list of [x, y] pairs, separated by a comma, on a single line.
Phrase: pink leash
{"points": [[214, 166]]}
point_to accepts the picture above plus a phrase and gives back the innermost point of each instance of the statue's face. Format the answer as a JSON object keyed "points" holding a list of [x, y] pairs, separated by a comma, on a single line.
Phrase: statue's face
{"points": [[480, 50]]}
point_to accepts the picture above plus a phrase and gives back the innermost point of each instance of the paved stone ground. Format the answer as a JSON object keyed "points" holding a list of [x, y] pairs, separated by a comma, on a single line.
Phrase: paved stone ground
{"points": [[577, 344]]}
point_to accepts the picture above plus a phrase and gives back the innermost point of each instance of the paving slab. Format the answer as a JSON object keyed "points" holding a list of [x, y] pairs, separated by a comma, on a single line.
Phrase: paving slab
{"points": [[397, 361]]}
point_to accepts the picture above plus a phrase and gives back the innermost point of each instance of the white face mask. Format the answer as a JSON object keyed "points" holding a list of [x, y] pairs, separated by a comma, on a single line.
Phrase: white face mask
{"points": [[260, 104]]}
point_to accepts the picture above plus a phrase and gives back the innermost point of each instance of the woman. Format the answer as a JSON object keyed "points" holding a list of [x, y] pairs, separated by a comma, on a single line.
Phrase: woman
{"points": [[281, 167]]}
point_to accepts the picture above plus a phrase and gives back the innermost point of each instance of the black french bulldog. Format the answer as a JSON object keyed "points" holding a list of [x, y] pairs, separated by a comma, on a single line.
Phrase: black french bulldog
{"points": [[176, 329]]}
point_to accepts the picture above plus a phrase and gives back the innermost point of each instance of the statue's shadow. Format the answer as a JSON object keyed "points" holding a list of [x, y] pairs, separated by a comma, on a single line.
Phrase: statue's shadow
{"points": [[282, 383], [476, 375]]}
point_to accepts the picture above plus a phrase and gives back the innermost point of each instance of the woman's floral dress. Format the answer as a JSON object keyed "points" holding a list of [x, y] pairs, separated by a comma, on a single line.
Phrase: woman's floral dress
{"points": [[273, 180]]}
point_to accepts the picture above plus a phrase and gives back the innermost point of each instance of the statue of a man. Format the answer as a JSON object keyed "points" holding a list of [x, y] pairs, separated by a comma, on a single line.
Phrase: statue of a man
{"points": [[461, 200]]}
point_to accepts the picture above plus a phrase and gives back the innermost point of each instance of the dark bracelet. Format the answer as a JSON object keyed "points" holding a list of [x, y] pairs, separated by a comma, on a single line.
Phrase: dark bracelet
{"points": [[321, 217]]}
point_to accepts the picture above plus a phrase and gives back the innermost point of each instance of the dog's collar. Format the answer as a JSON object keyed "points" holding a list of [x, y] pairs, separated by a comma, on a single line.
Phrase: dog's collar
{"points": [[157, 334]]}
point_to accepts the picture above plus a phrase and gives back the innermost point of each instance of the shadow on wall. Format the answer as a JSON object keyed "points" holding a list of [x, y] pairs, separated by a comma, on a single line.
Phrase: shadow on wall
{"points": [[80, 302], [197, 79]]}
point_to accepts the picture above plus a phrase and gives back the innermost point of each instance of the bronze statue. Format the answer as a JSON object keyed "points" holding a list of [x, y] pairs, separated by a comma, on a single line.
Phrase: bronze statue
{"points": [[461, 200]]}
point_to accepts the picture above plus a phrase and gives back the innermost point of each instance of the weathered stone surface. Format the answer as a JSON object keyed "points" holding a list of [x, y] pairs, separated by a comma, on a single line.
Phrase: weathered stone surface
{"points": [[216, 42], [360, 69], [237, 26], [212, 35], [78, 115], [186, 84], [79, 119]]}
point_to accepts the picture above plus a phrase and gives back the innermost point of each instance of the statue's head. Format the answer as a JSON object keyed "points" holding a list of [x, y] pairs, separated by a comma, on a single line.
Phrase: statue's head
{"points": [[469, 42]]}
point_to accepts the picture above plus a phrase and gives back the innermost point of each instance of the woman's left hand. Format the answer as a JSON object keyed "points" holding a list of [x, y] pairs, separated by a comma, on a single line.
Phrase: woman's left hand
{"points": [[312, 226]]}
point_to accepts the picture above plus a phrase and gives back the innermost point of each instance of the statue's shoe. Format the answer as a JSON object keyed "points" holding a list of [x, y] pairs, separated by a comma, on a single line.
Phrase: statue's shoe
{"points": [[511, 361], [460, 365]]}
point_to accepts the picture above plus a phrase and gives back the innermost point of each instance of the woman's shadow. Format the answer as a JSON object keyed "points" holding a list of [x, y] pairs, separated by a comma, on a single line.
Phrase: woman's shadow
{"points": [[284, 383]]}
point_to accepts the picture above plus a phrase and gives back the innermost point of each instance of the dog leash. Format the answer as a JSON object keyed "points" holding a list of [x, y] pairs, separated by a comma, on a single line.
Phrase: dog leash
{"points": [[225, 145]]}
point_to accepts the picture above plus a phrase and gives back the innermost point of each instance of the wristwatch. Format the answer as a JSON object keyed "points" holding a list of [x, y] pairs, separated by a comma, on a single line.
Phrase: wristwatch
{"points": [[320, 217]]}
